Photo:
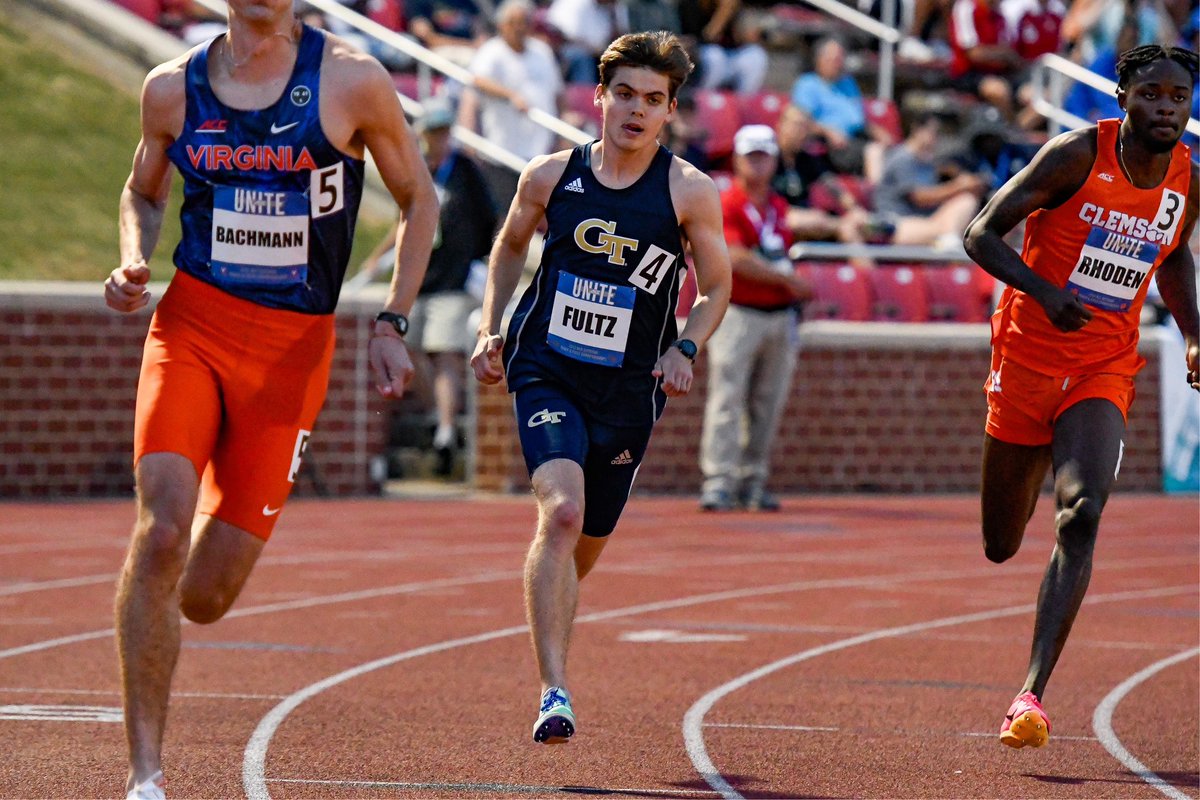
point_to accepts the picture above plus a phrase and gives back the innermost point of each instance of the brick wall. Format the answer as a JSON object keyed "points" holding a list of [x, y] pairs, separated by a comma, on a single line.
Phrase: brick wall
{"points": [[68, 380], [874, 407]]}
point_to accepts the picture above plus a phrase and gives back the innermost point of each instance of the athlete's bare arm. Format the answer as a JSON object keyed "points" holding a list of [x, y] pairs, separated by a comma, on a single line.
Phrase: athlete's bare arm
{"points": [[1055, 174], [360, 110], [1177, 284], [507, 260], [699, 207], [144, 197]]}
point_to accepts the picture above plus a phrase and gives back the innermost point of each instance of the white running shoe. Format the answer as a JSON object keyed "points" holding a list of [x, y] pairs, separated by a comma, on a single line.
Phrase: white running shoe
{"points": [[556, 720], [149, 789]]}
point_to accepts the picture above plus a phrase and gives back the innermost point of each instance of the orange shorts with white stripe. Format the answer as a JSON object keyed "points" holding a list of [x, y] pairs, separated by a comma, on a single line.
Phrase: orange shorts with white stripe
{"points": [[1023, 404], [235, 388]]}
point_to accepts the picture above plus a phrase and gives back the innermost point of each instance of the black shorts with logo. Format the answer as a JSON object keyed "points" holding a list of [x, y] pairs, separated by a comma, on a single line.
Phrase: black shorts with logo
{"points": [[553, 424]]}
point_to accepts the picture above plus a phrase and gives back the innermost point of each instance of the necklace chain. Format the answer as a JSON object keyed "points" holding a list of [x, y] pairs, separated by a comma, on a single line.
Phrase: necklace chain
{"points": [[234, 64], [1121, 158]]}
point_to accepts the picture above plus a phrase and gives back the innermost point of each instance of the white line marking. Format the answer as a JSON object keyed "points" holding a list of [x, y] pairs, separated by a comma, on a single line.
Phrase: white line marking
{"points": [[117, 693], [693, 720], [64, 583], [255, 755], [289, 605], [1102, 724], [61, 713], [501, 787], [770, 727]]}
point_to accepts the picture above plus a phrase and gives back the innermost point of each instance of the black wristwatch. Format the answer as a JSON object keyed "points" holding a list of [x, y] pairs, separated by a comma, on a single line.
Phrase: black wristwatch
{"points": [[397, 321], [687, 347]]}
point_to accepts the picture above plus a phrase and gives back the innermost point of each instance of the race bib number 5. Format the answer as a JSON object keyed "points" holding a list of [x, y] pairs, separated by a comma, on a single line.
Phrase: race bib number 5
{"points": [[259, 236], [590, 320]]}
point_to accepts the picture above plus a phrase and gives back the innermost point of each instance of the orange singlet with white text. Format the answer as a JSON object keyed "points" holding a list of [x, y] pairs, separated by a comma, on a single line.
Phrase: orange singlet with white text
{"points": [[1104, 245]]}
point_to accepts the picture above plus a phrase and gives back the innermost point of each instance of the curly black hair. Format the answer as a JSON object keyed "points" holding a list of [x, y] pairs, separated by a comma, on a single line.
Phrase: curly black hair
{"points": [[1134, 59]]}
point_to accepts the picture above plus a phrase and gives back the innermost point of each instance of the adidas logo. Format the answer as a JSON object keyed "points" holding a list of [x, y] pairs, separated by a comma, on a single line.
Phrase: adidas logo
{"points": [[575, 186], [625, 457]]}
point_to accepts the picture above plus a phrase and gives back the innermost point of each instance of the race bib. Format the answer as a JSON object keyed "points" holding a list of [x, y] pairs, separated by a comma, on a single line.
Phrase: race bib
{"points": [[590, 320], [1112, 268], [259, 237]]}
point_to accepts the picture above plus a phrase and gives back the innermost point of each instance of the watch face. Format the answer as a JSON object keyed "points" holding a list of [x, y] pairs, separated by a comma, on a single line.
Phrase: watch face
{"points": [[687, 347]]}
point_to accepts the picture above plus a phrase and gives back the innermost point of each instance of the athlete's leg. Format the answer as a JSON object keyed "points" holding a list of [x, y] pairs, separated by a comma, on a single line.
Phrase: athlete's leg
{"points": [[587, 551], [147, 619], [218, 565], [1012, 477], [551, 582], [1087, 452]]}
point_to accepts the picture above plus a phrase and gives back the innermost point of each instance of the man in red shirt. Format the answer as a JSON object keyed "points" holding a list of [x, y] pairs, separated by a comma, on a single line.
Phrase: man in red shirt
{"points": [[984, 59], [753, 354]]}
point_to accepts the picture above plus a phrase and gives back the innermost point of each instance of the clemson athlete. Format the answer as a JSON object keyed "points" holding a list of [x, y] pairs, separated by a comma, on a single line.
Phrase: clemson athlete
{"points": [[268, 124], [592, 352], [1108, 206]]}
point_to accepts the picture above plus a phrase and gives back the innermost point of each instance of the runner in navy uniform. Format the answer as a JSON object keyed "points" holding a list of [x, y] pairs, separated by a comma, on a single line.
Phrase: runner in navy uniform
{"points": [[269, 125], [592, 350]]}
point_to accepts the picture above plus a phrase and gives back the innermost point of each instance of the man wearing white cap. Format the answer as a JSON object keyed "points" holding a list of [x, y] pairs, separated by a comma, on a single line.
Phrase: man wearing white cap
{"points": [[753, 354]]}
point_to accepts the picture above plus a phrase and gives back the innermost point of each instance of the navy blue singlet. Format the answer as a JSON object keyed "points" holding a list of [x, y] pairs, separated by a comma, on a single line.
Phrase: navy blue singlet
{"points": [[269, 205], [601, 308]]}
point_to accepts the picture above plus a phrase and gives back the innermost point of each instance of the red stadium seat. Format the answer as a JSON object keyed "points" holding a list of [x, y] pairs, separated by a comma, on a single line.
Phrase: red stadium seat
{"points": [[717, 111], [581, 98], [900, 294], [388, 13], [884, 114], [149, 10], [840, 291], [959, 292], [761, 108]]}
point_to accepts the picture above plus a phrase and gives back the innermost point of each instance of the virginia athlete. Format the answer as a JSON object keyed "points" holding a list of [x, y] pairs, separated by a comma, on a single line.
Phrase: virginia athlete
{"points": [[1107, 207], [268, 124], [592, 351]]}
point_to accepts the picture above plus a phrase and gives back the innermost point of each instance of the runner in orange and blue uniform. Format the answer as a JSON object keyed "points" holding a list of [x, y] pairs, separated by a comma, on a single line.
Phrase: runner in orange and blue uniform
{"points": [[1109, 207], [268, 124]]}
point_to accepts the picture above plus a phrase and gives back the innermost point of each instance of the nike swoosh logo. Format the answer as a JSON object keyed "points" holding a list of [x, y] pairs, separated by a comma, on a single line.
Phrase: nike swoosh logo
{"points": [[270, 512], [278, 129]]}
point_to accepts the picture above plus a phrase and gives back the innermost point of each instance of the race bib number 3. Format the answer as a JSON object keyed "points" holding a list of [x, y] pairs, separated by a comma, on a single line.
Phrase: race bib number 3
{"points": [[1112, 268], [590, 320], [259, 237]]}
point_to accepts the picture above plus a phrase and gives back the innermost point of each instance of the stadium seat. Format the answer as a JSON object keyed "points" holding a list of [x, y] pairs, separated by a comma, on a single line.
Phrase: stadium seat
{"points": [[149, 10], [900, 294], [581, 98], [761, 108], [958, 292], [388, 13], [717, 110], [884, 114], [840, 291]]}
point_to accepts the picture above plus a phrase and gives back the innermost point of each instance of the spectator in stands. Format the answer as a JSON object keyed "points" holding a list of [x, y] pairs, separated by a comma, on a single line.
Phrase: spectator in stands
{"points": [[753, 354], [1092, 104], [983, 56], [803, 163], [992, 149], [925, 206], [514, 72], [587, 26], [728, 43], [439, 328], [451, 28], [686, 135]]}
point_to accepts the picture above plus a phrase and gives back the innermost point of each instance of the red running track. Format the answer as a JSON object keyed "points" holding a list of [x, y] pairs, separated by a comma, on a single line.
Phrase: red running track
{"points": [[850, 646]]}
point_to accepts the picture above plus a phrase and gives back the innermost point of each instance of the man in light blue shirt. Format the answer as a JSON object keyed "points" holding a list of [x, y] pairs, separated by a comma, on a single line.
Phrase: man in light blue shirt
{"points": [[830, 96]]}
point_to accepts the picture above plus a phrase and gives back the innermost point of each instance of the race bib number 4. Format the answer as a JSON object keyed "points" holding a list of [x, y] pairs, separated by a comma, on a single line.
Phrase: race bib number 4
{"points": [[259, 237], [590, 320], [1112, 268]]}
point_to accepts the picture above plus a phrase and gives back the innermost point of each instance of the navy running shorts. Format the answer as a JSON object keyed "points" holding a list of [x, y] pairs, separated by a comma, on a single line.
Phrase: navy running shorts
{"points": [[552, 424]]}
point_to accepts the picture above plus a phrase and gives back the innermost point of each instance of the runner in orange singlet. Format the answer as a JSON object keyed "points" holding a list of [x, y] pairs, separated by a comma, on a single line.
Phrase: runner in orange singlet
{"points": [[1108, 206]]}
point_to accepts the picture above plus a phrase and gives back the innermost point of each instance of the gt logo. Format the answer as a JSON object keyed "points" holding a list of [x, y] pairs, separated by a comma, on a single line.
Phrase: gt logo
{"points": [[607, 242], [544, 416]]}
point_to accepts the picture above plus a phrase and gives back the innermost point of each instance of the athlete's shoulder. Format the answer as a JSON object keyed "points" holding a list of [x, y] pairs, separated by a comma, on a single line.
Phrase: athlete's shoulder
{"points": [[353, 72], [166, 84], [691, 189], [543, 173]]}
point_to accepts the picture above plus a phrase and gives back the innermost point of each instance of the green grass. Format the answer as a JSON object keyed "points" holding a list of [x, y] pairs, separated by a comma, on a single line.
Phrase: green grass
{"points": [[66, 145]]}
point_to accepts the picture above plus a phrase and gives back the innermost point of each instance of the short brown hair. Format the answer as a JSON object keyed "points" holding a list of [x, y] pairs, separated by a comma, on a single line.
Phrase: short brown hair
{"points": [[660, 51]]}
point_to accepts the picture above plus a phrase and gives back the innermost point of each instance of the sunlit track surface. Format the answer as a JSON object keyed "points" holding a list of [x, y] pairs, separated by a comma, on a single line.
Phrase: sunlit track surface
{"points": [[850, 646]]}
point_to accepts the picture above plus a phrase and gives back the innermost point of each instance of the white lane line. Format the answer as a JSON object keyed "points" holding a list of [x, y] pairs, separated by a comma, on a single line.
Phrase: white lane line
{"points": [[255, 755], [62, 583], [693, 720], [289, 605], [769, 727], [117, 693], [1102, 724], [502, 788]]}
